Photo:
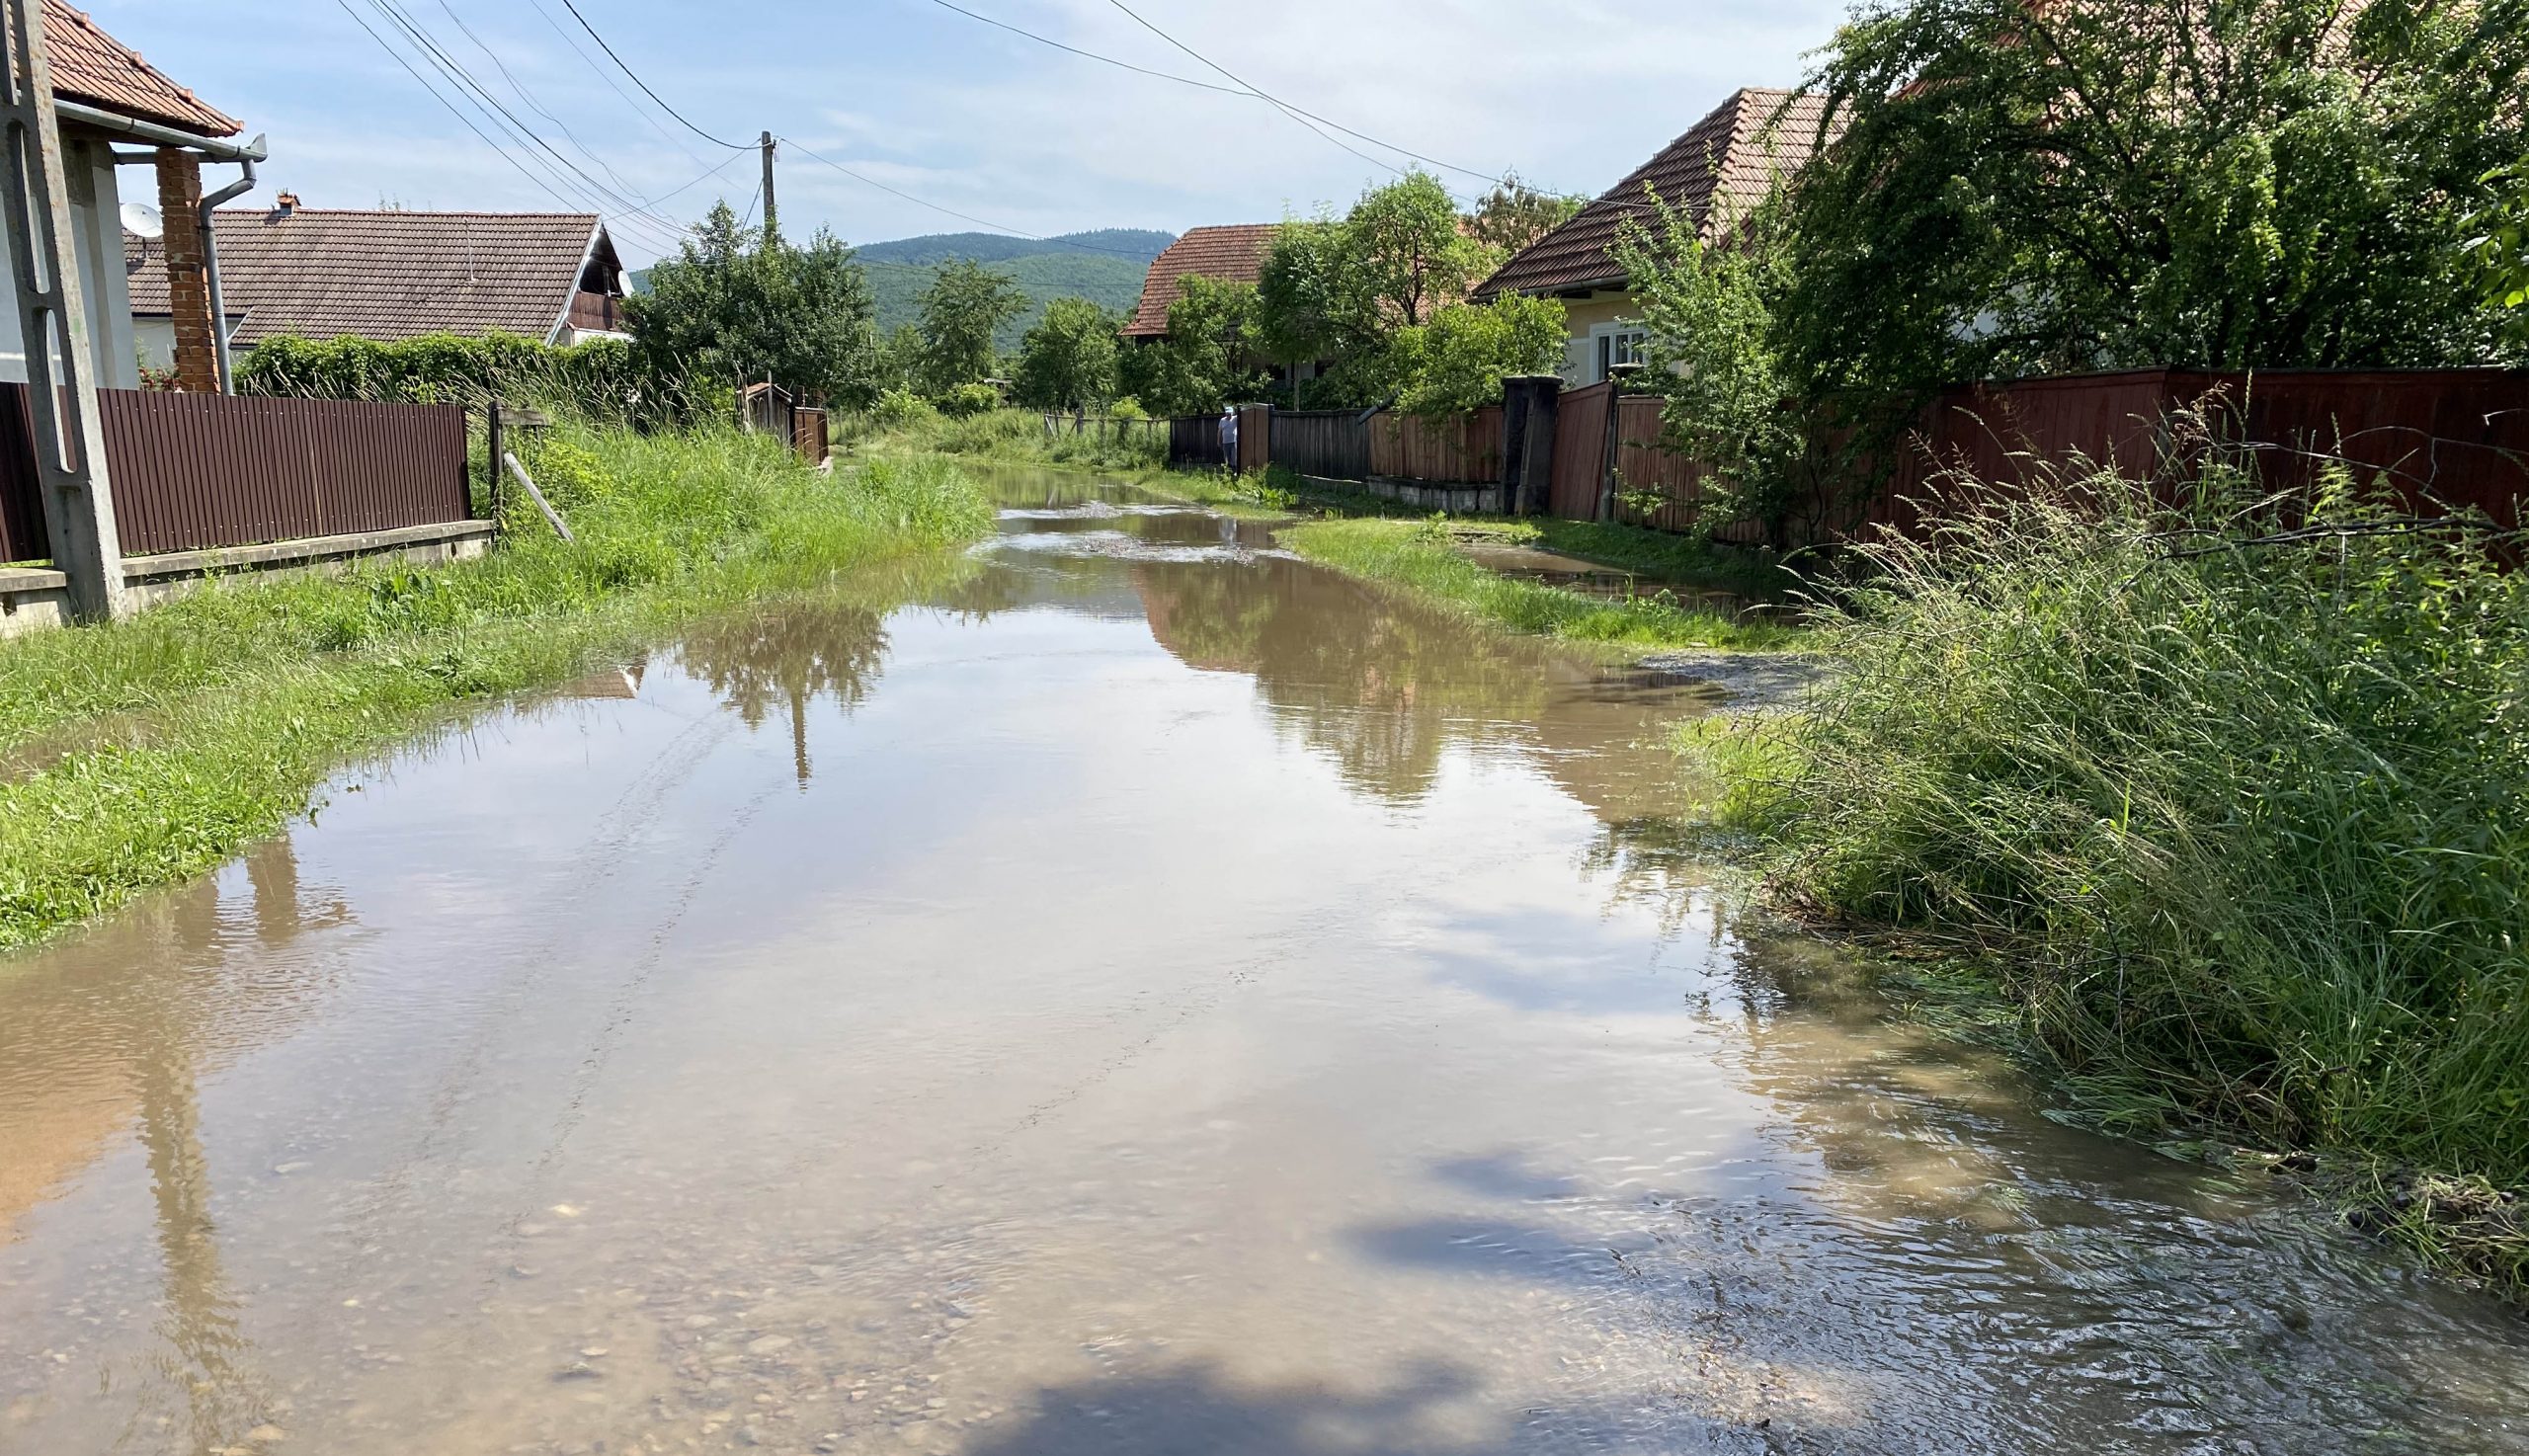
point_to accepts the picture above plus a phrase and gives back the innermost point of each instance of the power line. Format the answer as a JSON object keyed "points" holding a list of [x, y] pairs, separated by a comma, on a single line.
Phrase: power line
{"points": [[645, 86], [629, 212], [869, 181], [1004, 25], [1297, 113], [608, 77]]}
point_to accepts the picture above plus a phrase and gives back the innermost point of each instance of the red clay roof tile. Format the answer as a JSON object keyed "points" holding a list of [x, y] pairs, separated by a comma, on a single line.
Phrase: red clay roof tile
{"points": [[1721, 167], [319, 273], [91, 66], [1233, 254]]}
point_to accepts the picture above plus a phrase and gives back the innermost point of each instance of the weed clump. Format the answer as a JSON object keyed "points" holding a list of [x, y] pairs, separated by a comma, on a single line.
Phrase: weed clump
{"points": [[2231, 785]]}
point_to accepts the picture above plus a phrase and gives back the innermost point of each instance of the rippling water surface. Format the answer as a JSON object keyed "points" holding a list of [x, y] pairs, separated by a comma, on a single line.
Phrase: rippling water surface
{"points": [[1148, 995]]}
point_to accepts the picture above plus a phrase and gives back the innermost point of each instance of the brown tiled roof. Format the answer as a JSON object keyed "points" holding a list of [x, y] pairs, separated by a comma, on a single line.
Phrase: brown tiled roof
{"points": [[319, 273], [1234, 254], [1721, 167], [91, 66]]}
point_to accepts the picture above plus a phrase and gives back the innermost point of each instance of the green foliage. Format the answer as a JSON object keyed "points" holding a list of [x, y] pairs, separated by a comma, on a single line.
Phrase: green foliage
{"points": [[962, 311], [151, 748], [964, 401], [897, 407], [1358, 290], [1068, 360], [594, 379], [1110, 282], [1714, 351], [1458, 361], [2241, 811], [1421, 557], [736, 306], [1204, 364], [2498, 248], [2265, 183], [1515, 215]]}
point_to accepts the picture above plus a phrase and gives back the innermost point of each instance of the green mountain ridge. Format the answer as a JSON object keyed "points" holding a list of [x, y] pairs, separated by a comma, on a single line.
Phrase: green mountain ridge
{"points": [[1105, 265]]}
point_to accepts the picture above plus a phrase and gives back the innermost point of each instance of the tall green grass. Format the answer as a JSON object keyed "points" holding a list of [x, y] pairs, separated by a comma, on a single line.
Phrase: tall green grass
{"points": [[1016, 436], [148, 750], [1421, 556], [2237, 788]]}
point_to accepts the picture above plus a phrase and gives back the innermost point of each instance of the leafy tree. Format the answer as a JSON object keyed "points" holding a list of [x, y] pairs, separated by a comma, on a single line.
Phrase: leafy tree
{"points": [[1346, 289], [2023, 188], [1515, 215], [1713, 348], [2499, 250], [964, 308], [1067, 361], [1401, 253], [733, 306], [1205, 362], [1457, 361]]}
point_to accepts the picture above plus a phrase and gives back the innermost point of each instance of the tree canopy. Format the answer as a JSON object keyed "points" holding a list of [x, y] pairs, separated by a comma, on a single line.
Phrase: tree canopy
{"points": [[735, 306], [964, 308], [1206, 361], [1067, 361], [2023, 188], [1357, 290]]}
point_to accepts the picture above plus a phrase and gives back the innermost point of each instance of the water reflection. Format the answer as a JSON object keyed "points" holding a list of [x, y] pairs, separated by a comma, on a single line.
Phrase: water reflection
{"points": [[116, 1032], [1237, 1011]]}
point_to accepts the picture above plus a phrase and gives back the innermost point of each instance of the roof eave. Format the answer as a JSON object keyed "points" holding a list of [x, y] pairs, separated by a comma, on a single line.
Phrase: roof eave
{"points": [[570, 296]]}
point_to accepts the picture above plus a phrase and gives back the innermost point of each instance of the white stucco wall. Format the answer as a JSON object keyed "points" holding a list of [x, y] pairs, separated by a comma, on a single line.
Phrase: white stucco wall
{"points": [[96, 250]]}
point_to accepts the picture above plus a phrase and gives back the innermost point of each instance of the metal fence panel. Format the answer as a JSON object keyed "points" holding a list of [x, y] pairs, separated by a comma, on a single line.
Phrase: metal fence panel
{"points": [[1333, 445], [190, 471]]}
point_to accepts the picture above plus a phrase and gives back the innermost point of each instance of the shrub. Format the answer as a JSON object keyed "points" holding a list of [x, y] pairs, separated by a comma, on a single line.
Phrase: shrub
{"points": [[594, 379], [2235, 785], [963, 401], [902, 407]]}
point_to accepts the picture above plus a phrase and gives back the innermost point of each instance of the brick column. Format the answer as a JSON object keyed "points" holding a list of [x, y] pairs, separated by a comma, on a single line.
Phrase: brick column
{"points": [[188, 273]]}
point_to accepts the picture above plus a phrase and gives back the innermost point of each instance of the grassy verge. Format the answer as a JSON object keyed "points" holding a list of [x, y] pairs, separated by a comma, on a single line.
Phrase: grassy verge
{"points": [[1422, 557], [1012, 437], [2219, 817], [150, 750]]}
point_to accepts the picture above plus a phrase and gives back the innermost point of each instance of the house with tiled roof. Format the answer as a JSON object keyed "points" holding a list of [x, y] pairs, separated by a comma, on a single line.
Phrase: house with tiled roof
{"points": [[115, 111], [1719, 170], [316, 273], [1230, 254]]}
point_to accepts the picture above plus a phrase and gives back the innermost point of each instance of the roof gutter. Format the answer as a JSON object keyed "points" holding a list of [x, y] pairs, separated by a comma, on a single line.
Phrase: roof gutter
{"points": [[211, 202], [213, 147]]}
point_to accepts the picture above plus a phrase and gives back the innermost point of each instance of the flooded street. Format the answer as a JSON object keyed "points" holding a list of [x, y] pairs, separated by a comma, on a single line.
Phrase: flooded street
{"points": [[1147, 994]]}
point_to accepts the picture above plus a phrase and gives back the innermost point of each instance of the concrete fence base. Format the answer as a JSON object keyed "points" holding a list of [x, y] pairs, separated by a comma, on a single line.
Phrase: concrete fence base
{"points": [[34, 597]]}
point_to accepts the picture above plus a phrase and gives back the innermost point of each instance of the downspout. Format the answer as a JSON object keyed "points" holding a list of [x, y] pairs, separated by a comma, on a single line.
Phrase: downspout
{"points": [[210, 267]]}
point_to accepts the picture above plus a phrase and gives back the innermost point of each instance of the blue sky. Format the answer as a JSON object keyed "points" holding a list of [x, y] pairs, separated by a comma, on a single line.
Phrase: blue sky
{"points": [[973, 119]]}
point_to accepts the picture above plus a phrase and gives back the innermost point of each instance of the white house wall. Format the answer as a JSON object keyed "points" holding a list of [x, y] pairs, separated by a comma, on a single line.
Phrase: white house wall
{"points": [[96, 249]]}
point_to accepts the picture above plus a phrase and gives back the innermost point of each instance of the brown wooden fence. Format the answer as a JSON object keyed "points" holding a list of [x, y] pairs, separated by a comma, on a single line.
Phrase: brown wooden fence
{"points": [[1451, 449], [192, 471], [1334, 445], [1194, 442], [2438, 437]]}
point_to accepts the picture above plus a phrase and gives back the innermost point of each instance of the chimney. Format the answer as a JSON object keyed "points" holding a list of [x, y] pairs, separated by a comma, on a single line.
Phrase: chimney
{"points": [[187, 274], [284, 204]]}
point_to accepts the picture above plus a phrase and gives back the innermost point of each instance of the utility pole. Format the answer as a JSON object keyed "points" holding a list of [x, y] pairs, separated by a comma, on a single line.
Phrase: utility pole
{"points": [[768, 226], [61, 388]]}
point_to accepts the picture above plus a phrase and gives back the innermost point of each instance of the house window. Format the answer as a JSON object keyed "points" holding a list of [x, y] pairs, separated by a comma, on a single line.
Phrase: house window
{"points": [[1617, 344]]}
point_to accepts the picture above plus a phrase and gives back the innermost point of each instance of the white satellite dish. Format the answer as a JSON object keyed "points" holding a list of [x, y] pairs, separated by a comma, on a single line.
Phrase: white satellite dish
{"points": [[142, 220]]}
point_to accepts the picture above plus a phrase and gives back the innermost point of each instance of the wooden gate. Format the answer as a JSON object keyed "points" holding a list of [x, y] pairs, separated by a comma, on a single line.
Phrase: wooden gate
{"points": [[1580, 453]]}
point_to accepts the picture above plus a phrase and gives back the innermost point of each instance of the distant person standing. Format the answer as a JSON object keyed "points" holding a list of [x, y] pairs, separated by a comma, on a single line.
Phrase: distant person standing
{"points": [[1229, 439]]}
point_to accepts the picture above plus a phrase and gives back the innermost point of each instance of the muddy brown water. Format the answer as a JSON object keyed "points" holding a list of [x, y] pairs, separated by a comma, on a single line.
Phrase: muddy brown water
{"points": [[1146, 996]]}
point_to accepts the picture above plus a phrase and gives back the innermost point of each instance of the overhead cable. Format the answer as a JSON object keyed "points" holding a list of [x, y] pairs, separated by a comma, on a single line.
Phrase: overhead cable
{"points": [[867, 181], [645, 86]]}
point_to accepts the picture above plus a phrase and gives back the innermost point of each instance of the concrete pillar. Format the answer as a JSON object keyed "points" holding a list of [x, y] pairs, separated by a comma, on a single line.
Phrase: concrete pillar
{"points": [[62, 376], [1528, 405], [188, 272]]}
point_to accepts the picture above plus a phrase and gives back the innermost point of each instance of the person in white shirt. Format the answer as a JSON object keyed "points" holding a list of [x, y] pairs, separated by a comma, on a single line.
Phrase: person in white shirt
{"points": [[1229, 439]]}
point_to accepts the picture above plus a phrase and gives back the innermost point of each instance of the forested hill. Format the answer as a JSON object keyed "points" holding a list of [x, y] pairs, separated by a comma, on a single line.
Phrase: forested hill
{"points": [[1106, 265]]}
